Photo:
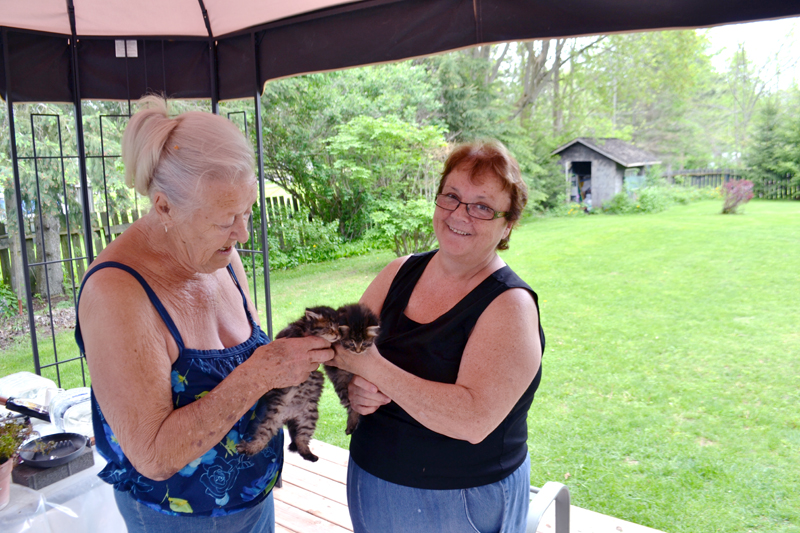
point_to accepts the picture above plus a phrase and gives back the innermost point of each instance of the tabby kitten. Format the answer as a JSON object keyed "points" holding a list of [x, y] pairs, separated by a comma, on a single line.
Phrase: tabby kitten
{"points": [[358, 328], [296, 406]]}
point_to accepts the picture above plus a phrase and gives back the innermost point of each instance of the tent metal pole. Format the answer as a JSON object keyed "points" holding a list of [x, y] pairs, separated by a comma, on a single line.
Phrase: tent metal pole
{"points": [[23, 248], [212, 60], [212, 52], [86, 200], [262, 198], [84, 180]]}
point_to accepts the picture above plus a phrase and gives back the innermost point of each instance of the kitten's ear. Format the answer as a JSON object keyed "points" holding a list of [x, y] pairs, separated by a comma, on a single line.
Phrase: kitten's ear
{"points": [[312, 315], [373, 331], [344, 330]]}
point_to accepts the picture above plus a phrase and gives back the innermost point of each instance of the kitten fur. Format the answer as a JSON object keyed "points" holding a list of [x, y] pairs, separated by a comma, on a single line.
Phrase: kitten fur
{"points": [[295, 407], [358, 329]]}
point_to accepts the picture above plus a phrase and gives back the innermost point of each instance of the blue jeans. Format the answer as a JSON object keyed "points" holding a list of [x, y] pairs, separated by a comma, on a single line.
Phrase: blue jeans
{"points": [[142, 519], [378, 506]]}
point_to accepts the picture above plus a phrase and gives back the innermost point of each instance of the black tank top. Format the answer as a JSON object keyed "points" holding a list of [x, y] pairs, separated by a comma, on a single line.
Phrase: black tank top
{"points": [[393, 446]]}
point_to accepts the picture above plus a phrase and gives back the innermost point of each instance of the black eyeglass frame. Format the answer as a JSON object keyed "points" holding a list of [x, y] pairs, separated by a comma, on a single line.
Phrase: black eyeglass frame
{"points": [[497, 214]]}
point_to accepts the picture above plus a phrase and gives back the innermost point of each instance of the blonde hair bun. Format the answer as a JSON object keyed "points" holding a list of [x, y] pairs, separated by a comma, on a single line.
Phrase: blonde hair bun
{"points": [[177, 155], [143, 142]]}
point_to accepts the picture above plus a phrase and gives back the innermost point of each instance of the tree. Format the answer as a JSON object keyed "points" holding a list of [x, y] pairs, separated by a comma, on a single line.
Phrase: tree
{"points": [[303, 116], [772, 156], [647, 87], [792, 136], [40, 140], [746, 87], [466, 81], [388, 155]]}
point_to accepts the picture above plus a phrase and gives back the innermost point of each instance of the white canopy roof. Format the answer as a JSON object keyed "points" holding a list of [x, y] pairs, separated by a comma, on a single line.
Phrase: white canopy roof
{"points": [[153, 17]]}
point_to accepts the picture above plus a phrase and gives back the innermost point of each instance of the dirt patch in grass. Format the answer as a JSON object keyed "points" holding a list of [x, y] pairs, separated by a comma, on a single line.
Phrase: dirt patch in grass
{"points": [[16, 328]]}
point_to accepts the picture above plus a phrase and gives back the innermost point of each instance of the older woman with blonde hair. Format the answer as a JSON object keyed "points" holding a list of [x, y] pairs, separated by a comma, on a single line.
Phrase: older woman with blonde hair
{"points": [[177, 358], [446, 388]]}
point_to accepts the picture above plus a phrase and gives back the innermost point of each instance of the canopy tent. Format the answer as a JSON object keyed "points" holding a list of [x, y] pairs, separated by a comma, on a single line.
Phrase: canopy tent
{"points": [[221, 49], [77, 50]]}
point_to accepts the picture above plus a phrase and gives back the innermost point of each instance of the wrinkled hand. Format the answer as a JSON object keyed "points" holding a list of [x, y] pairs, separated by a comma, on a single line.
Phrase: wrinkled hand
{"points": [[365, 398], [349, 361], [287, 362]]}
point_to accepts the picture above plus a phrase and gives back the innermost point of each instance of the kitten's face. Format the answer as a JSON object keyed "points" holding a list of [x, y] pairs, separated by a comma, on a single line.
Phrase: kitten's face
{"points": [[358, 340], [358, 327], [322, 324]]}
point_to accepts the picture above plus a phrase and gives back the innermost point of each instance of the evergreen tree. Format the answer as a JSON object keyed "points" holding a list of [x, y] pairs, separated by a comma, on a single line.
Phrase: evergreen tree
{"points": [[766, 158]]}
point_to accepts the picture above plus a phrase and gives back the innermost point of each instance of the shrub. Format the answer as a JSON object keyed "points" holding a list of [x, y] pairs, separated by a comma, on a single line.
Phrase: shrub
{"points": [[301, 240], [404, 225], [736, 193], [8, 302], [619, 204], [562, 208], [654, 199], [686, 195]]}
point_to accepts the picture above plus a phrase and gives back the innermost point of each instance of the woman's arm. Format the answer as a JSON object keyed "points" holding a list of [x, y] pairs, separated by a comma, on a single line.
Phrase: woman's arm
{"points": [[499, 362], [128, 352]]}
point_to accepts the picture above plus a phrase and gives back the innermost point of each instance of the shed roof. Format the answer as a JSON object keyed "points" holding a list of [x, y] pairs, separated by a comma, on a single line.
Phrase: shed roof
{"points": [[617, 150]]}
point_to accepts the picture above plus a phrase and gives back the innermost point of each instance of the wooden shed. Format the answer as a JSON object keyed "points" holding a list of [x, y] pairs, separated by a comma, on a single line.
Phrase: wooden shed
{"points": [[596, 169]]}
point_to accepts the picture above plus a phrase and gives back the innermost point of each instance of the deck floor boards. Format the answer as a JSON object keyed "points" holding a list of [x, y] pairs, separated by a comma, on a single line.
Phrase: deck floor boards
{"points": [[313, 499], [313, 496]]}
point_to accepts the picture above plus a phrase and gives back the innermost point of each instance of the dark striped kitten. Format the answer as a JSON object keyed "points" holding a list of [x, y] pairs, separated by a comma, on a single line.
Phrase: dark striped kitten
{"points": [[358, 328], [296, 407]]}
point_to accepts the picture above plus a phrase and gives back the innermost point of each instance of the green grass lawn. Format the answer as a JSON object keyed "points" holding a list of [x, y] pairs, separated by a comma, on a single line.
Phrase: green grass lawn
{"points": [[18, 357], [669, 395]]}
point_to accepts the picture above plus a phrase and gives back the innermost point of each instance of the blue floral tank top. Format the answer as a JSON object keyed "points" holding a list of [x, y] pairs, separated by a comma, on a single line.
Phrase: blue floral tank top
{"points": [[220, 482]]}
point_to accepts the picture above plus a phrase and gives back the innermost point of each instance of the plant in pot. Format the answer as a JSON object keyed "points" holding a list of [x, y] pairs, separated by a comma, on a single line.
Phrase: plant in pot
{"points": [[13, 432]]}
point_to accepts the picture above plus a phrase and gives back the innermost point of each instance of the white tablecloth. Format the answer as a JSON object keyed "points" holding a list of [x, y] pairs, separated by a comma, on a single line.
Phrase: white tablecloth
{"points": [[81, 503]]}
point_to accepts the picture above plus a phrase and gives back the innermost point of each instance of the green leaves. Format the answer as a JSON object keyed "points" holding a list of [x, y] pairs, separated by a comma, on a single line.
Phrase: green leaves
{"points": [[336, 141], [405, 225], [387, 153]]}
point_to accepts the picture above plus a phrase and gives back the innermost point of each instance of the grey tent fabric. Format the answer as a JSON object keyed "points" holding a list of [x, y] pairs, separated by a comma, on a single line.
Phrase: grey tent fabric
{"points": [[37, 65]]}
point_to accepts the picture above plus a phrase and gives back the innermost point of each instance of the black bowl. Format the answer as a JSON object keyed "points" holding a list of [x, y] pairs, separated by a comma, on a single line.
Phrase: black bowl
{"points": [[60, 448]]}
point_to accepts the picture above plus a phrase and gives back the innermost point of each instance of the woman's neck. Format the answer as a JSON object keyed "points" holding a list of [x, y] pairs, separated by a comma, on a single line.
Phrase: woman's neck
{"points": [[466, 270], [155, 252]]}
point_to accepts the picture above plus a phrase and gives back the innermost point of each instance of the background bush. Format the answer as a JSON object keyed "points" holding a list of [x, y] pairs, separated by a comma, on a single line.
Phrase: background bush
{"points": [[301, 239], [8, 301]]}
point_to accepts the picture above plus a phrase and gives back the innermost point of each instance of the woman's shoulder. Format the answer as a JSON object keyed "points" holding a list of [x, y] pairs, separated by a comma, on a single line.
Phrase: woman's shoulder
{"points": [[118, 273], [376, 293], [395, 265], [110, 283], [510, 279]]}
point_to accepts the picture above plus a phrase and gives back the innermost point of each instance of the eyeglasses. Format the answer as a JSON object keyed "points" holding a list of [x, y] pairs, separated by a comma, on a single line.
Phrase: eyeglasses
{"points": [[479, 211]]}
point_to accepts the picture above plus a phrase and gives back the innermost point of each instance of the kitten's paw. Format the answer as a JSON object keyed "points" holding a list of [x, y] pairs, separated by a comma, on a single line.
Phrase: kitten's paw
{"points": [[309, 457], [249, 448], [304, 451], [352, 422]]}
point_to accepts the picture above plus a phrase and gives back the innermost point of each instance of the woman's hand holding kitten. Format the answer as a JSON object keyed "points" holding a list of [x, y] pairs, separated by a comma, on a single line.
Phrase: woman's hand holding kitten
{"points": [[365, 398]]}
